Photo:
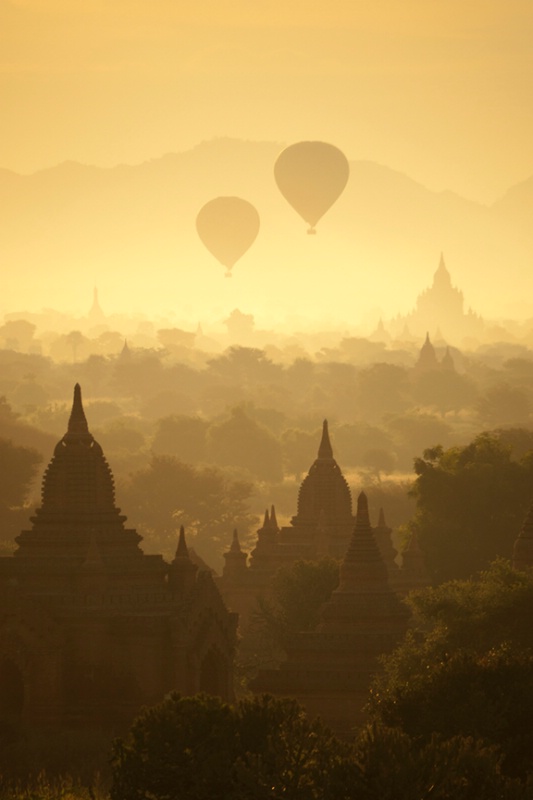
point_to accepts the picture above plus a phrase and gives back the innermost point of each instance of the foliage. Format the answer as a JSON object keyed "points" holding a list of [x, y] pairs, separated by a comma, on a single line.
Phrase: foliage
{"points": [[200, 748], [391, 765], [504, 404], [299, 450], [182, 436], [382, 389], [18, 468], [265, 748], [414, 431], [471, 502], [240, 441], [44, 788], [169, 493], [298, 592], [45, 764], [466, 668]]}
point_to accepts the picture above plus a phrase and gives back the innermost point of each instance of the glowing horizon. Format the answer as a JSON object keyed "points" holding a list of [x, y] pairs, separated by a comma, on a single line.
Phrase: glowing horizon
{"points": [[440, 93]]}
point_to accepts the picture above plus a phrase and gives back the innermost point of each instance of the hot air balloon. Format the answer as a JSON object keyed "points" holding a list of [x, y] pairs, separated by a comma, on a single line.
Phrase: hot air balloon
{"points": [[227, 226], [311, 176]]}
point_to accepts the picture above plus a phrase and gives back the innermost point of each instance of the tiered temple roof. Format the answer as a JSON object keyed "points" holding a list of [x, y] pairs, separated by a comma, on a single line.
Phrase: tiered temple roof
{"points": [[329, 670], [91, 628]]}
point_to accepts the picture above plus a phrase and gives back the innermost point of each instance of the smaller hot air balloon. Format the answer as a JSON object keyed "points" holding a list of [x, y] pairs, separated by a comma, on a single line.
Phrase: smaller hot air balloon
{"points": [[311, 176], [227, 226]]}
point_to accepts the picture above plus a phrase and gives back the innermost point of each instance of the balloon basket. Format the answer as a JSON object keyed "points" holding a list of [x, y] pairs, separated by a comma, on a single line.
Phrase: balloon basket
{"points": [[227, 274], [311, 231]]}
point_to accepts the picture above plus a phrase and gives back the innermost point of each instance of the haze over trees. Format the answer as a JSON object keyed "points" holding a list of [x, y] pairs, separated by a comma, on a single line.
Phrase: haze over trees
{"points": [[254, 413]]}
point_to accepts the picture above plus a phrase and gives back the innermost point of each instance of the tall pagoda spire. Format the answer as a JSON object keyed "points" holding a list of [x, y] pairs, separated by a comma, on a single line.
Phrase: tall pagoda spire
{"points": [[78, 479], [363, 565], [96, 315], [325, 450], [182, 571], [324, 488], [235, 560], [427, 358], [182, 549], [442, 278], [78, 501], [77, 424]]}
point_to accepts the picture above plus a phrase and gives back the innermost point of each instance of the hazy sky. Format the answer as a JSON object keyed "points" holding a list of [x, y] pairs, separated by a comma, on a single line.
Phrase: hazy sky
{"points": [[439, 89]]}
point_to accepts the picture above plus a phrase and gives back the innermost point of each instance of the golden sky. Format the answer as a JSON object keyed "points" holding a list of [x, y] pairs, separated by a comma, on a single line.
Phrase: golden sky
{"points": [[439, 89]]}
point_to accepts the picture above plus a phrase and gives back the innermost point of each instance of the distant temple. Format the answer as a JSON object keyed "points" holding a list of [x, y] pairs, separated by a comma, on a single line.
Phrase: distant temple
{"points": [[322, 526], [96, 316], [329, 669], [91, 628], [439, 307], [428, 361]]}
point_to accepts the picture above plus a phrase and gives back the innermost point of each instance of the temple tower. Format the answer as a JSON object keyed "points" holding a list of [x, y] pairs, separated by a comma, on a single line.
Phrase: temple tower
{"points": [[91, 628], [329, 670]]}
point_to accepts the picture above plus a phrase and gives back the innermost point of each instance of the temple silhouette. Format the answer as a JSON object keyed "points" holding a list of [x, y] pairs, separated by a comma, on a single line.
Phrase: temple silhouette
{"points": [[439, 307], [91, 628], [329, 669]]}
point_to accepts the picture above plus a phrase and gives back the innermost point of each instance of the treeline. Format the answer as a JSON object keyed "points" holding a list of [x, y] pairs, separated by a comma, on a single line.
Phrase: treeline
{"points": [[242, 425]]}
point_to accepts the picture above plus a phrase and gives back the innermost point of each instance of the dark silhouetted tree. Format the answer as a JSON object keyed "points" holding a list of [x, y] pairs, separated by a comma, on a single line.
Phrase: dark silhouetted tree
{"points": [[182, 436], [298, 592], [202, 749], [18, 468], [169, 493], [466, 668], [503, 404], [471, 503], [241, 442]]}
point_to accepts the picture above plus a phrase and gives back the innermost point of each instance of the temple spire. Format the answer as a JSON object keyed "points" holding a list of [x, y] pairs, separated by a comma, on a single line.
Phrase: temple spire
{"points": [[363, 568], [442, 277], [325, 450], [273, 519], [181, 550], [235, 544], [77, 423]]}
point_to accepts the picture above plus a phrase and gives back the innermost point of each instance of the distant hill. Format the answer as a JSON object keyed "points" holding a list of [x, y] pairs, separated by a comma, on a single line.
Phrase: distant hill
{"points": [[136, 223]]}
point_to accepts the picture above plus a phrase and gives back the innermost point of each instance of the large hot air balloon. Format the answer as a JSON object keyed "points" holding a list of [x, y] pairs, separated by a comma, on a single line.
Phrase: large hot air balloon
{"points": [[311, 176], [227, 226]]}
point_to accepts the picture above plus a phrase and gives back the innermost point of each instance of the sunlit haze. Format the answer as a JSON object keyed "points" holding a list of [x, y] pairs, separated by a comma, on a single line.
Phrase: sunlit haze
{"points": [[423, 98]]}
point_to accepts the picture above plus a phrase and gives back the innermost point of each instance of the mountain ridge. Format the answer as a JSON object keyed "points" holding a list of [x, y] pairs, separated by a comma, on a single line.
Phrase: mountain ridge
{"points": [[114, 221]]}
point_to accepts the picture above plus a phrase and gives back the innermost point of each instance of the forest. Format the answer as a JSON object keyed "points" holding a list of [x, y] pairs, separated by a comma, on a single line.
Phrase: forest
{"points": [[205, 434]]}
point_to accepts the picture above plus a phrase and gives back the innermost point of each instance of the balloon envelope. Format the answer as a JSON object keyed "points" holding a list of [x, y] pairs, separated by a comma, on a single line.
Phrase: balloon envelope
{"points": [[311, 176], [227, 226]]}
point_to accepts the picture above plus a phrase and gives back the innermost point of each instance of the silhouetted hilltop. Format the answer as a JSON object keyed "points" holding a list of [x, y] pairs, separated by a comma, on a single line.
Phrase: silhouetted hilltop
{"points": [[127, 218], [517, 203]]}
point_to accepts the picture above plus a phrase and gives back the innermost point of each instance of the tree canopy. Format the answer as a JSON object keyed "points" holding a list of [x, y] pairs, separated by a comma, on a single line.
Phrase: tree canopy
{"points": [[168, 493], [466, 667], [298, 592], [18, 468], [200, 748], [264, 748], [471, 503]]}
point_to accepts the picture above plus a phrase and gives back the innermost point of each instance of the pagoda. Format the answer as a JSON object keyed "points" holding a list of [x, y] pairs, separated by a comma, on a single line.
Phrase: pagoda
{"points": [[92, 628], [329, 670]]}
